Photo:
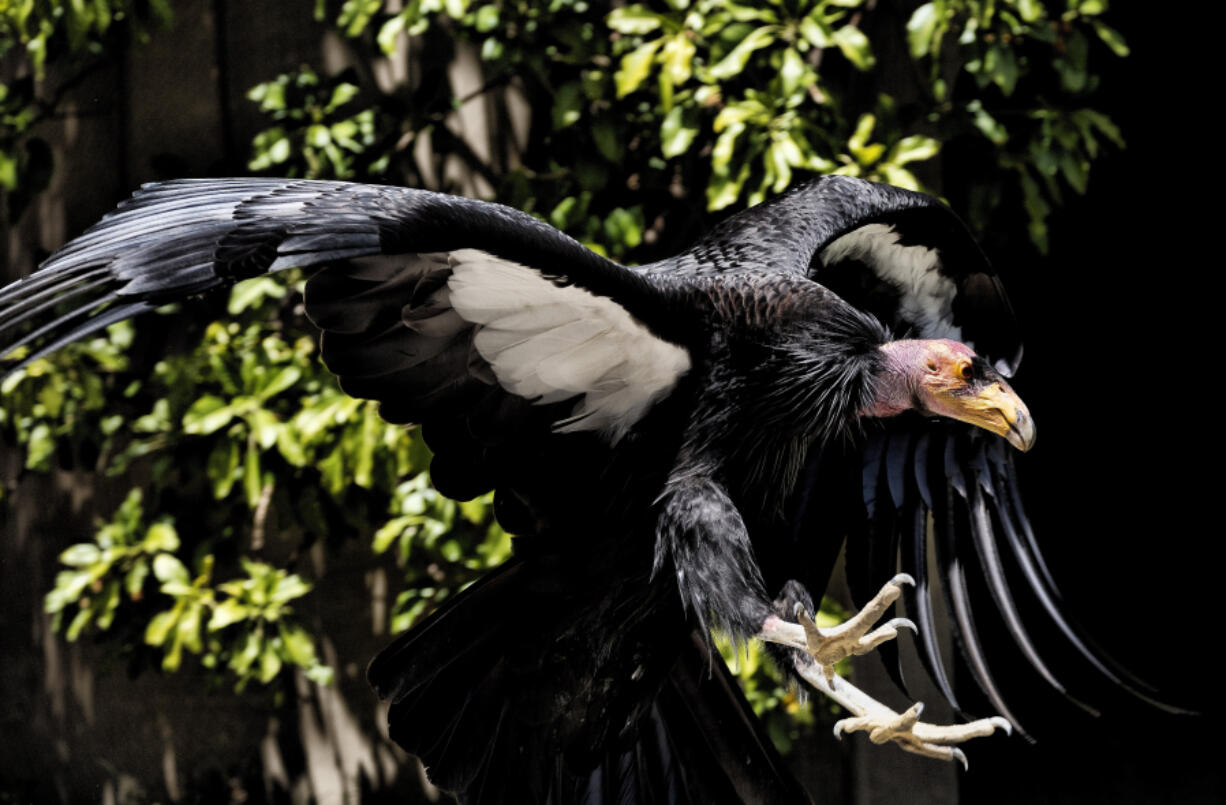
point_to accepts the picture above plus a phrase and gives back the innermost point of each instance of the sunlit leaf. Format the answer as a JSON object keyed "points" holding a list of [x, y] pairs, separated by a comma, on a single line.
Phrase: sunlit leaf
{"points": [[675, 135], [915, 148], [635, 67], [81, 555], [854, 45], [169, 570], [739, 56], [920, 29], [226, 613], [634, 19]]}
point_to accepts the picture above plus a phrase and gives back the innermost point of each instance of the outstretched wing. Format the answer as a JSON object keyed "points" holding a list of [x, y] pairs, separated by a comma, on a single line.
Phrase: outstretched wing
{"points": [[910, 261], [903, 256], [469, 313]]}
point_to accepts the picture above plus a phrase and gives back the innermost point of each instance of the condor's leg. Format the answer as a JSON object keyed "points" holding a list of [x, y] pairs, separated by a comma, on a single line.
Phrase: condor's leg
{"points": [[701, 535], [851, 638], [813, 661]]}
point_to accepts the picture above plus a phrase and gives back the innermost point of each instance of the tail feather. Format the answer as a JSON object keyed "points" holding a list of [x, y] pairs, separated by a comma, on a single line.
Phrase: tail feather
{"points": [[512, 693]]}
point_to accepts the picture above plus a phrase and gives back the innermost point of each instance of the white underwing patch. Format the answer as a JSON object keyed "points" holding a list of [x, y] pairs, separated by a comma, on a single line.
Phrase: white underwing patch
{"points": [[927, 295], [548, 343]]}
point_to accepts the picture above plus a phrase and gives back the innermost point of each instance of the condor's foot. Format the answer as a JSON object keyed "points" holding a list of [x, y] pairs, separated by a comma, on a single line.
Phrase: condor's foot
{"points": [[853, 637], [913, 735], [817, 652]]}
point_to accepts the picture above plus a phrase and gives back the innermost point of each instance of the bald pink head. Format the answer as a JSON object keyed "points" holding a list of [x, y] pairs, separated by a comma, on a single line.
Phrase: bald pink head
{"points": [[941, 377]]}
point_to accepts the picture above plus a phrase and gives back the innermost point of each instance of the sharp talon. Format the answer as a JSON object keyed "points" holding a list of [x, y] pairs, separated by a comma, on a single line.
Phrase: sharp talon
{"points": [[799, 611], [901, 579], [904, 729], [903, 623]]}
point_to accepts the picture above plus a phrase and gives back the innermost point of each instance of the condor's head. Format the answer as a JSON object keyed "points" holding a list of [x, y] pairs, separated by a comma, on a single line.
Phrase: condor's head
{"points": [[940, 377]]}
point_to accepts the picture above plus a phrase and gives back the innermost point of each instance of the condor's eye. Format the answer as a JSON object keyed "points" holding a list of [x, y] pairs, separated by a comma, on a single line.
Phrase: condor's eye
{"points": [[966, 371]]}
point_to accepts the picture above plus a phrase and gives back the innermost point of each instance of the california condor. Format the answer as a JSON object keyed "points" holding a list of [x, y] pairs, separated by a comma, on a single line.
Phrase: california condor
{"points": [[679, 446]]}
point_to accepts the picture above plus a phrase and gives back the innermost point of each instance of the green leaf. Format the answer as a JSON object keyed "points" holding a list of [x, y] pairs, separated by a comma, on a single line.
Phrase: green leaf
{"points": [[242, 659], [635, 66], [298, 645], [921, 28], [1112, 39], [816, 30], [677, 58], [389, 34], [8, 170], [79, 622], [168, 569], [222, 466], [899, 177], [1037, 209], [1075, 171], [159, 627], [854, 46], [721, 154], [251, 292], [134, 581], [355, 15], [792, 72], [288, 588], [1030, 10], [188, 630], [390, 531], [40, 446], [987, 124], [207, 415], [734, 63], [160, 537], [560, 217], [270, 664], [864, 130], [228, 612], [1105, 125], [625, 226], [1001, 64], [290, 448], [342, 94], [675, 135], [724, 190], [778, 166], [486, 19], [915, 148], [634, 19], [607, 141], [567, 105], [80, 555], [281, 381]]}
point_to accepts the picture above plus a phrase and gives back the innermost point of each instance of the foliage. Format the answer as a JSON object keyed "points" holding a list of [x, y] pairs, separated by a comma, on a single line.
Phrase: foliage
{"points": [[251, 404], [1030, 68], [315, 128], [646, 121], [73, 38], [118, 563]]}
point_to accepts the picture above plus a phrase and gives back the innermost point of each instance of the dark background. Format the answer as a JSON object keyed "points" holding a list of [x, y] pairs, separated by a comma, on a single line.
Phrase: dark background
{"points": [[1124, 486]]}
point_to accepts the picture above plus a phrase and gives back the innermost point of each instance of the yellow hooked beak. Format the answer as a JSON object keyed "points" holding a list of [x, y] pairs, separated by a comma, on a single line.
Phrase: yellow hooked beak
{"points": [[994, 407]]}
